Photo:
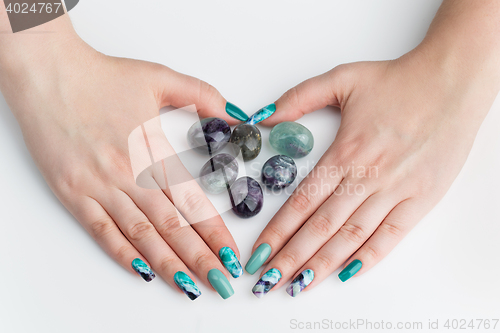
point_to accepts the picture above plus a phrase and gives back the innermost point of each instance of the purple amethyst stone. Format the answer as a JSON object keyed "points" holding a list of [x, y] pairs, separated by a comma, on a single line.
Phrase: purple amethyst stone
{"points": [[279, 172], [209, 135], [246, 197]]}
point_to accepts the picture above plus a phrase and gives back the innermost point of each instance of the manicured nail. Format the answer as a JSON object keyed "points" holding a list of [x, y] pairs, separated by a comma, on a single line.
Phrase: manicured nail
{"points": [[236, 112], [143, 270], [231, 262], [220, 283], [300, 282], [188, 287], [266, 282], [258, 258], [264, 113], [349, 271]]}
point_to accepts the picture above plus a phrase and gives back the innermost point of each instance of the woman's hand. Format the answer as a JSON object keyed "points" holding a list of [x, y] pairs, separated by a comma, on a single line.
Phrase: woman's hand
{"points": [[406, 130], [77, 108]]}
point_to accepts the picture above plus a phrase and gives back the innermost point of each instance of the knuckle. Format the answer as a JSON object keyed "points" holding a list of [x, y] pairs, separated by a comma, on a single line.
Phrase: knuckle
{"points": [[168, 224], [371, 251], [207, 91], [101, 228], [352, 233], [289, 258], [392, 229], [139, 230], [202, 259], [276, 233], [215, 235], [122, 253], [293, 97], [300, 202], [166, 264], [323, 261], [319, 226], [192, 202]]}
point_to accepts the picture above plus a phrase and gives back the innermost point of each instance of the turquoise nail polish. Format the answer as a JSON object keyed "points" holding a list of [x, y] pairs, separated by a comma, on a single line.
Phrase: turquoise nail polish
{"points": [[143, 270], [258, 258], [220, 283], [349, 271], [266, 282], [184, 282], [231, 262], [300, 282], [235, 112], [262, 114]]}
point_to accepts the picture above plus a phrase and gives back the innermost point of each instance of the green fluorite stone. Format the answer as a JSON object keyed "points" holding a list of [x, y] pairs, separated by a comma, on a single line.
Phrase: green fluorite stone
{"points": [[291, 139]]}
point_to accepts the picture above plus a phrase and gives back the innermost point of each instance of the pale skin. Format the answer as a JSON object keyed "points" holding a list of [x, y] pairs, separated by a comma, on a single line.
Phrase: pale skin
{"points": [[414, 119]]}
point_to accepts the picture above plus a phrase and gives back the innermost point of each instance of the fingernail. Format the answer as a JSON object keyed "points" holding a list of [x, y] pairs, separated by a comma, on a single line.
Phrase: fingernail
{"points": [[231, 262], [258, 258], [143, 270], [349, 271], [300, 282], [235, 112], [188, 287], [266, 282], [220, 283], [264, 113]]}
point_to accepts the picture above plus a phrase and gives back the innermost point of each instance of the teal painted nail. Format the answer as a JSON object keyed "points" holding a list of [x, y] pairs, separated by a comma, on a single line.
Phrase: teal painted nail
{"points": [[220, 283], [184, 282], [258, 258], [262, 114], [349, 271], [235, 112], [266, 282], [300, 282], [143, 270], [231, 262]]}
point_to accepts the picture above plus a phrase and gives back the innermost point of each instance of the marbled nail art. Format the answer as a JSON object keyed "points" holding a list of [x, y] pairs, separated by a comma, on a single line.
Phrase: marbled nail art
{"points": [[300, 282], [266, 282], [184, 282], [262, 114], [143, 270], [230, 261]]}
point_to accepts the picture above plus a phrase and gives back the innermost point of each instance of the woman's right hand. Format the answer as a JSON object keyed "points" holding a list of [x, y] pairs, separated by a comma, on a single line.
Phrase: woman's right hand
{"points": [[76, 108]]}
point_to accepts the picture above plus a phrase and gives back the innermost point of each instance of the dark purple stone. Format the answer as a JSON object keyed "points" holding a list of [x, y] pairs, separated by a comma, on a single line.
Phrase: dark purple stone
{"points": [[246, 197], [279, 172], [209, 135]]}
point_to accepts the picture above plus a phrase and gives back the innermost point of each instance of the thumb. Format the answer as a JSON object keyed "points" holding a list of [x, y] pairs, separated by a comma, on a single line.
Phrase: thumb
{"points": [[179, 90], [313, 94]]}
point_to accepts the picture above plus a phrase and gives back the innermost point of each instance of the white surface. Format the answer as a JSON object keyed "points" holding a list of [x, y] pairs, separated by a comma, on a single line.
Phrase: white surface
{"points": [[54, 278]]}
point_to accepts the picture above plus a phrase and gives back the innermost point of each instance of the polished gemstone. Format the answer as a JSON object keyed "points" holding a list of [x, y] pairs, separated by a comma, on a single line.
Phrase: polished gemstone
{"points": [[246, 197], [209, 135], [219, 173], [248, 139], [278, 172], [291, 139]]}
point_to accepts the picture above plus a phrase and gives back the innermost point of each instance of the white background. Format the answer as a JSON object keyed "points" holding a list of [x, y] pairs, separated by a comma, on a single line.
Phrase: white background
{"points": [[54, 278]]}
